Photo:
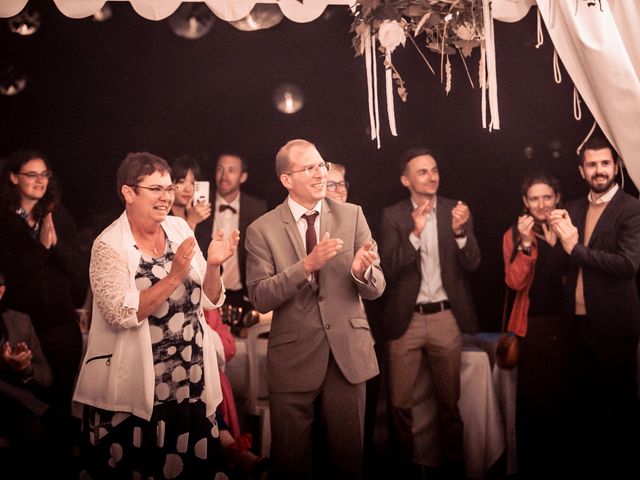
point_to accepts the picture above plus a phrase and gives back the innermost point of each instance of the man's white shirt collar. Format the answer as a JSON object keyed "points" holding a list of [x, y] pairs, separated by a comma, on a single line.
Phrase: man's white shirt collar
{"points": [[298, 210], [604, 198]]}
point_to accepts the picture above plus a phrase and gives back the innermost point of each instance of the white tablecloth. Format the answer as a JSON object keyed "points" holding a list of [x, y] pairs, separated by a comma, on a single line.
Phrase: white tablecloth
{"points": [[484, 439], [237, 370]]}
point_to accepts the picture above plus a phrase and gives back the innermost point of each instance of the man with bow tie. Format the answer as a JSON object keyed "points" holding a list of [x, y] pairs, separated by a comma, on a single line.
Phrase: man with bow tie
{"points": [[233, 209]]}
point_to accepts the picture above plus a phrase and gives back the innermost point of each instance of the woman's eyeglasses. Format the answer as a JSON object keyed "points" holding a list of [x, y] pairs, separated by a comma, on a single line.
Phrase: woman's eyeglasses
{"points": [[47, 174], [157, 190]]}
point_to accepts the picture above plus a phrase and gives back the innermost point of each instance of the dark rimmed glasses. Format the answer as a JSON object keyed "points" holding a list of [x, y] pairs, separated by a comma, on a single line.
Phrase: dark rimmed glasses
{"points": [[333, 186]]}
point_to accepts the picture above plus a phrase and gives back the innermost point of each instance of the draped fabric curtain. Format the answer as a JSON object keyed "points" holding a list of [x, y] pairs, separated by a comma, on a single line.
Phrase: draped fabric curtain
{"points": [[228, 10], [600, 48]]}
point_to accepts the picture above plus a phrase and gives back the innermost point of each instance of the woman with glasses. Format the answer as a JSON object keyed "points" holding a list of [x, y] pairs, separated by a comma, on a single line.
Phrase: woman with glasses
{"points": [[337, 186], [40, 259], [149, 379], [534, 266], [185, 171]]}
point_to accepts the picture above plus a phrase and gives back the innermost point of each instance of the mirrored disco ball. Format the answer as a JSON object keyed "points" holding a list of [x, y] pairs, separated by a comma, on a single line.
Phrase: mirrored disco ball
{"points": [[104, 14], [26, 22], [288, 98], [192, 20], [262, 16], [12, 81]]}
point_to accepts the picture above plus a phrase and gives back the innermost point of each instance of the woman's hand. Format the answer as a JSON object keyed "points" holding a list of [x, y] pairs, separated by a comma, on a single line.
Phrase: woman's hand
{"points": [[525, 225], [221, 248], [197, 214], [181, 263], [48, 235], [18, 358]]}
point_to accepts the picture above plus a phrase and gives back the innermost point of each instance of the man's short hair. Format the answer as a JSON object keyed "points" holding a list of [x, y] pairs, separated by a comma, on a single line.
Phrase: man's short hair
{"points": [[282, 157], [339, 168], [596, 143], [230, 153], [410, 154], [138, 165]]}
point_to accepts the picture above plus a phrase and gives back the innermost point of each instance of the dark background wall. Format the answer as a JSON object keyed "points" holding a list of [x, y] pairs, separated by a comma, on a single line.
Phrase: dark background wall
{"points": [[100, 90]]}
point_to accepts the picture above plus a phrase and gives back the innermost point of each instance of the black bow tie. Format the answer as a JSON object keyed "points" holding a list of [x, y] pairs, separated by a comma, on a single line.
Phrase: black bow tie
{"points": [[223, 207]]}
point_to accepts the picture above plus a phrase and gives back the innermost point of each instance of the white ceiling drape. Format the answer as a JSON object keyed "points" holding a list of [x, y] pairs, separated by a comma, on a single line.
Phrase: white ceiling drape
{"points": [[600, 48], [228, 10]]}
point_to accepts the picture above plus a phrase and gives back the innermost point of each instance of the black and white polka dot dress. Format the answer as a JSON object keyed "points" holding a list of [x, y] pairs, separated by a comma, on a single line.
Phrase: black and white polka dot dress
{"points": [[179, 441]]}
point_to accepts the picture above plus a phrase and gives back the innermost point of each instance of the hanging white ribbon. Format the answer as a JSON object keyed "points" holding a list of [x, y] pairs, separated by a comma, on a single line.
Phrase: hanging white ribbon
{"points": [[557, 73], [490, 66], [577, 109], [372, 84], [368, 64], [539, 34], [391, 111]]}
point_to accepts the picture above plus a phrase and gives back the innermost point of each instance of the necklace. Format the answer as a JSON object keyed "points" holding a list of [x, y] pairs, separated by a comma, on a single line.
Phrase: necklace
{"points": [[155, 249]]}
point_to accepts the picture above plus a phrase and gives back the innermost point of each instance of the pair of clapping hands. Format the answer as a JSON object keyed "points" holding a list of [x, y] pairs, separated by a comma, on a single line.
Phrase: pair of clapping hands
{"points": [[328, 247], [558, 225], [221, 248], [459, 217], [18, 357]]}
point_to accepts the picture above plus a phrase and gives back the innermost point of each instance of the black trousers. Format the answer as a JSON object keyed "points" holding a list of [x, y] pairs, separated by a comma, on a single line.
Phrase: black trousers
{"points": [[606, 407]]}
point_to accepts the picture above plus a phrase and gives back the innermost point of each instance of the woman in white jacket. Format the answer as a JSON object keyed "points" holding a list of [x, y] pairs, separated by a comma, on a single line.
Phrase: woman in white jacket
{"points": [[149, 379]]}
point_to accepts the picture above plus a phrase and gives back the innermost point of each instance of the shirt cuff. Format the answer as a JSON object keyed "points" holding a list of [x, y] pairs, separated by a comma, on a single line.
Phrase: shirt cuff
{"points": [[415, 241], [367, 275], [461, 242]]}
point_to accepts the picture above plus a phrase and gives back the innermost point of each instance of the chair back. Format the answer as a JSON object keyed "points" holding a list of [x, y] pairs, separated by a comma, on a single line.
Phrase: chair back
{"points": [[253, 364]]}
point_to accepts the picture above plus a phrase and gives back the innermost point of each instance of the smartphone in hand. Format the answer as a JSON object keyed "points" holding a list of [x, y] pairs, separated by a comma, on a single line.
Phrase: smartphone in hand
{"points": [[201, 192]]}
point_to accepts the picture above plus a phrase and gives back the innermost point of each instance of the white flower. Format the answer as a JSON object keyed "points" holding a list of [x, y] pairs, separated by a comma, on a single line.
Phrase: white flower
{"points": [[391, 34], [466, 32]]}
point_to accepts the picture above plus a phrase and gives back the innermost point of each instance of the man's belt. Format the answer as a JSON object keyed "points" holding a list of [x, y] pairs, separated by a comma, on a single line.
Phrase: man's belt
{"points": [[427, 308]]}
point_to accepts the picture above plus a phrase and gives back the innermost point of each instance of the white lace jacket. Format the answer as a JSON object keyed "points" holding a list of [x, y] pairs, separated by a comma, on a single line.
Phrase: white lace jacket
{"points": [[117, 372]]}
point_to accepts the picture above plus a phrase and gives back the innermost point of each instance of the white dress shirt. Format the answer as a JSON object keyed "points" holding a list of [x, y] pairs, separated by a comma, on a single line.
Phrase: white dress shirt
{"points": [[228, 221]]}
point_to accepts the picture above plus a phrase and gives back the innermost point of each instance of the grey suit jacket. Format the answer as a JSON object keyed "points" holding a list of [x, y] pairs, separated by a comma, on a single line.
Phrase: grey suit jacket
{"points": [[401, 264], [312, 318]]}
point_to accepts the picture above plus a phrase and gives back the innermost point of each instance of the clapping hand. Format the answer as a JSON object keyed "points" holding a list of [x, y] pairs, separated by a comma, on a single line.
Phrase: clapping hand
{"points": [[525, 227], [364, 258], [18, 358], [419, 216], [48, 235], [181, 263], [325, 250], [459, 217], [565, 230], [222, 247]]}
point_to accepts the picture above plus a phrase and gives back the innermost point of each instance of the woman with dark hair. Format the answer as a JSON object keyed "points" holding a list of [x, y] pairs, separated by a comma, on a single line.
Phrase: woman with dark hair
{"points": [[185, 172], [150, 379], [40, 259], [534, 266]]}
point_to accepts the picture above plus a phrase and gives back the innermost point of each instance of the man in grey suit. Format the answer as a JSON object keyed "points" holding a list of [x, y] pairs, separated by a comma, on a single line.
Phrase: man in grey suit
{"points": [[427, 247], [320, 345]]}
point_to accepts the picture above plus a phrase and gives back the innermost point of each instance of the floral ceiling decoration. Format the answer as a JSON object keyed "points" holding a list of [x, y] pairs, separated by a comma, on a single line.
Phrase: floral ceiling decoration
{"points": [[448, 27]]}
